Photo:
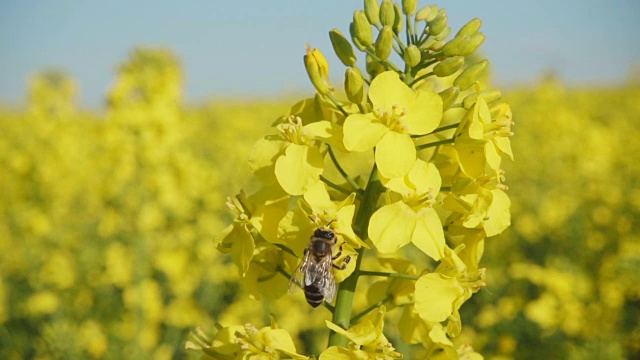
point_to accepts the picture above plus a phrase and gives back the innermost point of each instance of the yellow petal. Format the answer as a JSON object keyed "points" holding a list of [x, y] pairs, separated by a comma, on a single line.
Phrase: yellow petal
{"points": [[362, 333], [435, 295], [387, 90], [428, 235], [424, 113], [499, 217], [492, 155], [391, 227], [395, 154], [425, 178], [328, 132], [318, 197], [299, 168], [340, 353], [361, 132], [263, 156]]}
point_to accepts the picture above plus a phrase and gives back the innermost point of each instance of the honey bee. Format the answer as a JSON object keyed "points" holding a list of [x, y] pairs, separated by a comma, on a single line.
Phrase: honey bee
{"points": [[315, 273]]}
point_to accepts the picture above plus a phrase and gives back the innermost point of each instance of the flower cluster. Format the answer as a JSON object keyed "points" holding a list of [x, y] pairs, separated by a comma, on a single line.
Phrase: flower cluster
{"points": [[393, 164]]}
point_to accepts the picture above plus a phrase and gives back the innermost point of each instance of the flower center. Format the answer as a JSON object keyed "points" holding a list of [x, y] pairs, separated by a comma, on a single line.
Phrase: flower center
{"points": [[293, 131], [393, 119], [416, 200]]}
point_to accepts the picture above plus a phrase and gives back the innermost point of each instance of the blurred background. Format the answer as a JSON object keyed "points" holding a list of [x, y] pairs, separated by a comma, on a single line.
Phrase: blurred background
{"points": [[125, 126]]}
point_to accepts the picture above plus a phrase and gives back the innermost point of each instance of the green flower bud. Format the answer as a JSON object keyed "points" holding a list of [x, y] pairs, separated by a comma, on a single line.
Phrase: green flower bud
{"points": [[353, 85], [439, 23], [362, 28], [412, 55], [449, 96], [432, 44], [374, 67], [342, 47], [384, 43], [409, 6], [470, 28], [448, 66], [387, 13], [398, 21], [471, 74], [355, 40], [489, 96], [427, 13], [372, 10], [444, 33], [463, 45], [318, 70]]}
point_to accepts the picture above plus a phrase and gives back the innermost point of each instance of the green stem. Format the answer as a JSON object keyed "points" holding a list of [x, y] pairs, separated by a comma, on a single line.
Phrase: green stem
{"points": [[422, 77], [389, 274], [344, 174], [346, 292], [337, 104], [435, 143], [371, 308], [335, 186], [442, 128]]}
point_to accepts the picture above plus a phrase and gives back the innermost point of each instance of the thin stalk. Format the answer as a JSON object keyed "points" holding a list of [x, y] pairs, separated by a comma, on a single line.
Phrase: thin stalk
{"points": [[346, 292], [337, 104], [389, 274], [344, 174], [422, 77], [435, 143], [371, 308], [442, 128], [335, 186]]}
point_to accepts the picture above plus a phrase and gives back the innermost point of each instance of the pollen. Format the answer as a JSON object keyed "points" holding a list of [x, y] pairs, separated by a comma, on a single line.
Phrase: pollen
{"points": [[393, 119]]}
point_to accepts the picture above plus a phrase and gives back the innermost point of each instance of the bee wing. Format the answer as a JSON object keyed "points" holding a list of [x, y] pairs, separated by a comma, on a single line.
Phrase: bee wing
{"points": [[298, 277], [328, 283]]}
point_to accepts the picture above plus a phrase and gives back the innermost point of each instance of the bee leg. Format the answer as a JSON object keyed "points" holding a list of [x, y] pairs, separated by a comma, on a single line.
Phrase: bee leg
{"points": [[344, 264], [337, 255]]}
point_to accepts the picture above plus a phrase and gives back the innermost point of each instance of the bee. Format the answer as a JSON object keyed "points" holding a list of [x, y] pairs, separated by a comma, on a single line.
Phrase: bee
{"points": [[315, 273]]}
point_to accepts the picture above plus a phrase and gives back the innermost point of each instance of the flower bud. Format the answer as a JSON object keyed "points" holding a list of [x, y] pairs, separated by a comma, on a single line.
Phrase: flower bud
{"points": [[409, 6], [398, 21], [342, 47], [427, 13], [387, 13], [489, 96], [471, 74], [444, 33], [384, 43], [432, 44], [362, 28], [463, 45], [439, 23], [372, 10], [355, 40], [470, 28], [448, 66], [412, 55], [353, 85], [318, 70], [449, 96], [374, 67]]}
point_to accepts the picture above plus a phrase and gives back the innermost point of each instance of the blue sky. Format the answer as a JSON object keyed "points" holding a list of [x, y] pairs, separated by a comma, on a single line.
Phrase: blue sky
{"points": [[255, 47]]}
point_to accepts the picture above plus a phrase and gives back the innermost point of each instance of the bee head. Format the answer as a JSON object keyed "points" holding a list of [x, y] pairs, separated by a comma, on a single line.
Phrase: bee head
{"points": [[324, 233]]}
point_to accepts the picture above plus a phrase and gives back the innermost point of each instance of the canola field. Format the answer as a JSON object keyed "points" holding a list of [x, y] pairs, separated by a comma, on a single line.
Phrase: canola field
{"points": [[107, 224]]}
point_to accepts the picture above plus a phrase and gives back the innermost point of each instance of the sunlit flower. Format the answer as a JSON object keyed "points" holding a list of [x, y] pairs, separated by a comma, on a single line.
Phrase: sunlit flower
{"points": [[398, 112]]}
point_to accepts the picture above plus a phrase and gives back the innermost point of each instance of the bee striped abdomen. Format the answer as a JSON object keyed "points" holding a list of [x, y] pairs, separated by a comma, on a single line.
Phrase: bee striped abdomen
{"points": [[313, 295]]}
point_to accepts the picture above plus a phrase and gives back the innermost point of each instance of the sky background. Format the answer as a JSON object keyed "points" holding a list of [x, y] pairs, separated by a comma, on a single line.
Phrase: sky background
{"points": [[255, 47]]}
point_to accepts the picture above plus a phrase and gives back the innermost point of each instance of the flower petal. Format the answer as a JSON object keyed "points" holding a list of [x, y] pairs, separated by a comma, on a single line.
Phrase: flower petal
{"points": [[424, 113], [435, 295], [391, 227], [428, 235], [395, 155], [328, 132], [299, 168], [425, 177], [387, 90], [498, 215], [361, 133]]}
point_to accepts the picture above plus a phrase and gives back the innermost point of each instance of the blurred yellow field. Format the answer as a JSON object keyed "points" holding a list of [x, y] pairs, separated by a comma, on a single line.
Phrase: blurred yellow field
{"points": [[108, 221]]}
